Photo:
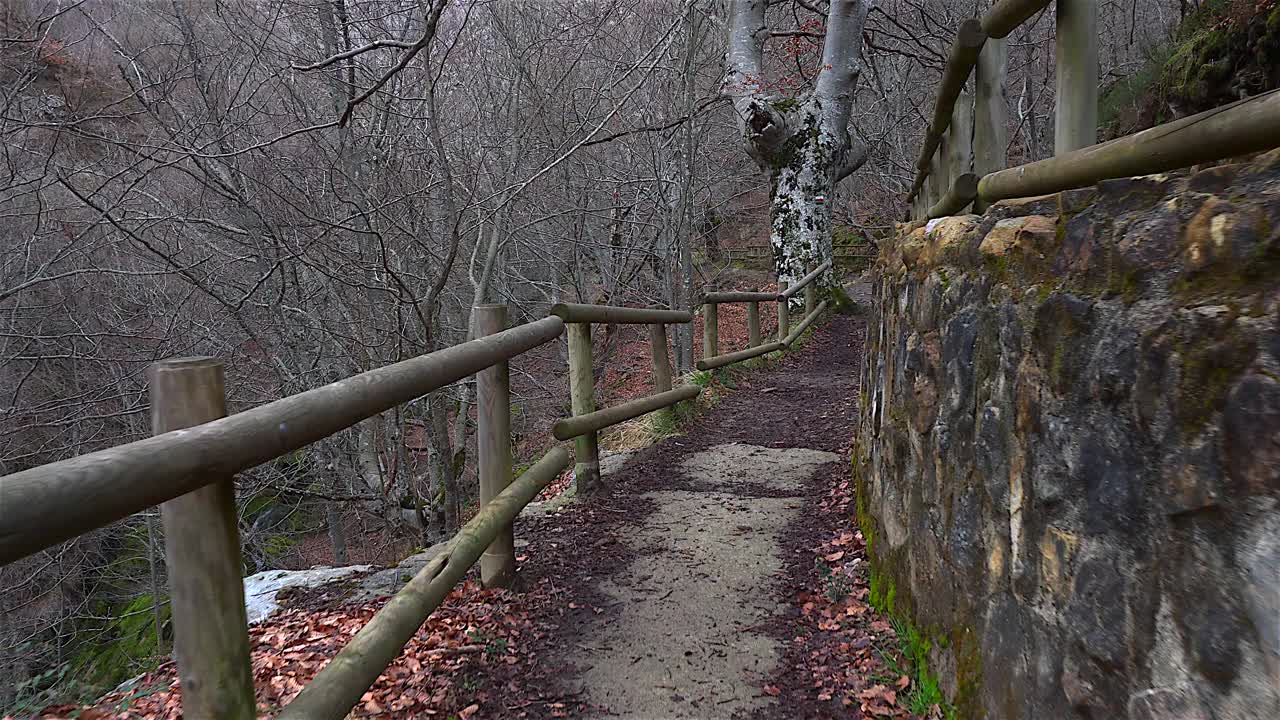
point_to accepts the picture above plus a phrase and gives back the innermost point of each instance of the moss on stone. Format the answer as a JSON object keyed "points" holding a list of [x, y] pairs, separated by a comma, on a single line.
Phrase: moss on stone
{"points": [[968, 699], [1209, 368], [1123, 284], [916, 642], [997, 267]]}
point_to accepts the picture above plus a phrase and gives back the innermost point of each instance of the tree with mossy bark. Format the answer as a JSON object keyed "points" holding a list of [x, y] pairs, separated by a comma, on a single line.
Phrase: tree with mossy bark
{"points": [[803, 143]]}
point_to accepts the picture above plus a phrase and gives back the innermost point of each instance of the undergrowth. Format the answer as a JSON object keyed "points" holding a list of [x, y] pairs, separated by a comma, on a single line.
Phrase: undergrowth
{"points": [[912, 660], [910, 657]]}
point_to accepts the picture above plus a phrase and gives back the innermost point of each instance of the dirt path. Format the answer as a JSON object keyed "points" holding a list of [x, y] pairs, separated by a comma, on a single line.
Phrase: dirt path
{"points": [[670, 582]]}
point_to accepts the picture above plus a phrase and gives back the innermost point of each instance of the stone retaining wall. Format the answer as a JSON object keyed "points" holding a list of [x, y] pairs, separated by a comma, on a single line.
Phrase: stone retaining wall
{"points": [[1069, 451]]}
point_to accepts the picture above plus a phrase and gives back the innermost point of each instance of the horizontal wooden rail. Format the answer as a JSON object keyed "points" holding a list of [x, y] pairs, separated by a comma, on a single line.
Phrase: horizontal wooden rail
{"points": [[962, 192], [809, 320], [804, 281], [1007, 15], [45, 505], [572, 427], [733, 357], [1242, 127], [339, 686], [579, 313], [734, 297]]}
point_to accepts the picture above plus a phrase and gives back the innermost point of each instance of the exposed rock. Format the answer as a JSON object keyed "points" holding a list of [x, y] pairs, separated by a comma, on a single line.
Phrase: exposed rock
{"points": [[1260, 561], [1251, 421], [1176, 703], [260, 589]]}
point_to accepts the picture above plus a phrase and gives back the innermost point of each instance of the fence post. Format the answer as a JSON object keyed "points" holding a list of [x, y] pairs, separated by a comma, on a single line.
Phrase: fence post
{"points": [[753, 324], [784, 313], [942, 168], [935, 183], [586, 447], [990, 135], [1075, 122], [202, 551], [710, 330], [810, 292], [661, 362], [493, 447], [960, 146]]}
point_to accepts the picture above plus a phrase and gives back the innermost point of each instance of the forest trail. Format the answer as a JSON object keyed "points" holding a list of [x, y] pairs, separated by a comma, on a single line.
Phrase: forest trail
{"points": [[679, 575]]}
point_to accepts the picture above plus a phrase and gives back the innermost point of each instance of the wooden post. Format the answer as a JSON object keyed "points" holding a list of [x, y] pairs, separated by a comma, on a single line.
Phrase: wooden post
{"points": [[661, 362], [810, 294], [960, 144], [710, 330], [1075, 123], [493, 447], [990, 108], [202, 551], [934, 184], [941, 175], [784, 313], [753, 324], [586, 468]]}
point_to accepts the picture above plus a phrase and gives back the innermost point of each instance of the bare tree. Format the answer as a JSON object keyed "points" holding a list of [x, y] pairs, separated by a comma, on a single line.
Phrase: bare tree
{"points": [[802, 142]]}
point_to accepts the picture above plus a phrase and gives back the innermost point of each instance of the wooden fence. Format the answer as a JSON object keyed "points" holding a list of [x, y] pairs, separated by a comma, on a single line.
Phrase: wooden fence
{"points": [[962, 157], [188, 467], [711, 357]]}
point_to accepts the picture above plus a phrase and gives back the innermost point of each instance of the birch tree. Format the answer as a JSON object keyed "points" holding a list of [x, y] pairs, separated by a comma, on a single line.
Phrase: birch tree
{"points": [[802, 142]]}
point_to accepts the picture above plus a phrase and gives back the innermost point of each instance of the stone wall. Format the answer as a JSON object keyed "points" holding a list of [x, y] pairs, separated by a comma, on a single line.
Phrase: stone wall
{"points": [[1069, 451]]}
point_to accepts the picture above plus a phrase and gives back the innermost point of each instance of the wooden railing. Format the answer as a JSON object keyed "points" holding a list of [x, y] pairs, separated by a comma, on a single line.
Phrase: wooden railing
{"points": [[711, 357], [188, 466], [962, 156], [586, 422]]}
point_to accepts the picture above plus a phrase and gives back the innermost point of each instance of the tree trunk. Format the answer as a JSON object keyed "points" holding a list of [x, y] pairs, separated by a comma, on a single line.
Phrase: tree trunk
{"points": [[804, 144], [684, 332], [333, 517], [800, 214], [442, 454]]}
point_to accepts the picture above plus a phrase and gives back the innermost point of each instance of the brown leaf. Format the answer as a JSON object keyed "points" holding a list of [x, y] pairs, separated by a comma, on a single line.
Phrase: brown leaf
{"points": [[772, 690]]}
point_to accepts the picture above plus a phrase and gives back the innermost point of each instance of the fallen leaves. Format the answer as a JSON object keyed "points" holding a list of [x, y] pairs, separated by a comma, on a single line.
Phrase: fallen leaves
{"points": [[472, 631], [839, 640]]}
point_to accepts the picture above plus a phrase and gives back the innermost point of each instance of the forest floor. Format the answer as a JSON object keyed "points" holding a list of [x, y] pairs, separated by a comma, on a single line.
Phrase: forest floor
{"points": [[719, 575]]}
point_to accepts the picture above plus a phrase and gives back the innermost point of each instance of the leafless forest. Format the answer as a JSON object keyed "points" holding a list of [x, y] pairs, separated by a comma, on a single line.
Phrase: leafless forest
{"points": [[309, 189]]}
